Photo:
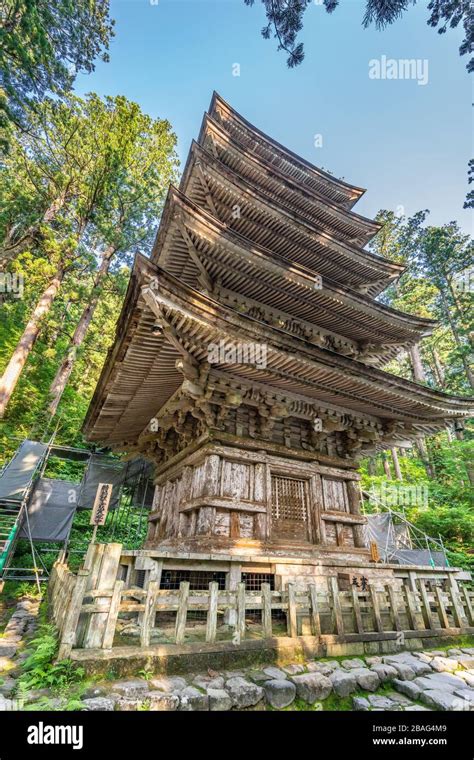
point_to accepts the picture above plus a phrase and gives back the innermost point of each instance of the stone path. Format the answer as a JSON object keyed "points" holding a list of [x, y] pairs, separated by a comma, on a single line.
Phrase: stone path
{"points": [[21, 624], [401, 682], [407, 681]]}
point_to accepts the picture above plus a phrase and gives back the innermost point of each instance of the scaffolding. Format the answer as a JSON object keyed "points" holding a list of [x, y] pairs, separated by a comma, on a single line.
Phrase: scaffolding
{"points": [[24, 488], [399, 540]]}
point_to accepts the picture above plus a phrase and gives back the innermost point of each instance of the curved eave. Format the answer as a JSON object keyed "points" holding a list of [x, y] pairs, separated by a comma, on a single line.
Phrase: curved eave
{"points": [[352, 193], [140, 375], [381, 270], [205, 309], [418, 326], [365, 228]]}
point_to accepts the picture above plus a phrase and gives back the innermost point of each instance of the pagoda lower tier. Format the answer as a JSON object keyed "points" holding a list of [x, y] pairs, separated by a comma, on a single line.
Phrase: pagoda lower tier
{"points": [[255, 434]]}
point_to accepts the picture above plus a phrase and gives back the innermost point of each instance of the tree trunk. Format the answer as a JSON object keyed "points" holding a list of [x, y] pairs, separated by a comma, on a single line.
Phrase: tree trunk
{"points": [[438, 368], [371, 466], [458, 306], [386, 466], [14, 245], [424, 454], [396, 464], [12, 373], [416, 364], [63, 374], [458, 341]]}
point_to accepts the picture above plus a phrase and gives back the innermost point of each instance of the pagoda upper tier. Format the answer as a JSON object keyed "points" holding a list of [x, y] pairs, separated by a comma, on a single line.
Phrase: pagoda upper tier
{"points": [[312, 205], [269, 221], [204, 252], [257, 143]]}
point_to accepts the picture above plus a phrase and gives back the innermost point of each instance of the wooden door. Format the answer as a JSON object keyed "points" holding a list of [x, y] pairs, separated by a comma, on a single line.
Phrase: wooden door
{"points": [[289, 509]]}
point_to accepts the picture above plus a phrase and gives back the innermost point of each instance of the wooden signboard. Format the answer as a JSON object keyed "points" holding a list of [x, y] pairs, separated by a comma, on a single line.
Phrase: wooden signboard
{"points": [[101, 504]]}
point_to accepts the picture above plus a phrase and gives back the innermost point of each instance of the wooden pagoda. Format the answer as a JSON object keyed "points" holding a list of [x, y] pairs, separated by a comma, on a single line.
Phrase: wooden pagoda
{"points": [[248, 364]]}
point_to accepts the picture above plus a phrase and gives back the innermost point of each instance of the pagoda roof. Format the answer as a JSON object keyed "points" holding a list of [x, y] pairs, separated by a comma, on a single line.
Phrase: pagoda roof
{"points": [[262, 276], [256, 141], [310, 203], [213, 185], [140, 375]]}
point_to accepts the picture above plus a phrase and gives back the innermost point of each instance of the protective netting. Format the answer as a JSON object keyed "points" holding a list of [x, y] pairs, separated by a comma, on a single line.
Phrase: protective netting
{"points": [[395, 545]]}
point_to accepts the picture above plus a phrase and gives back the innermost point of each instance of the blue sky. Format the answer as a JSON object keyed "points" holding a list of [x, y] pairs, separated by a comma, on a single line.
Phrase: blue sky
{"points": [[408, 144]]}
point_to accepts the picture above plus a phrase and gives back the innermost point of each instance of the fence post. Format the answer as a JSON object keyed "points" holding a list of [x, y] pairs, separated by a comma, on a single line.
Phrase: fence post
{"points": [[68, 636], [148, 615], [153, 570], [315, 618], [394, 607], [359, 626], [336, 604], [376, 607], [457, 607], [111, 624], [411, 609], [240, 626], [53, 577], [211, 626], [443, 618], [106, 577], [266, 611], [425, 604], [182, 612], [292, 619], [468, 603]]}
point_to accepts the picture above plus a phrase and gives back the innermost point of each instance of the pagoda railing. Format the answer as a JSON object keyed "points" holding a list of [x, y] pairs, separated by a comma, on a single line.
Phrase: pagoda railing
{"points": [[94, 610]]}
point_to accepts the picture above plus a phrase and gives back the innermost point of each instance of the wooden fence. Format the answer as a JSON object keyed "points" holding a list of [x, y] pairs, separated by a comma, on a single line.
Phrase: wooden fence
{"points": [[89, 608]]}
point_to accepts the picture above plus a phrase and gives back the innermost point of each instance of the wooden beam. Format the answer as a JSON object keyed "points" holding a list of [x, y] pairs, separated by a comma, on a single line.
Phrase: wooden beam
{"points": [[211, 627], [359, 626], [315, 616], [292, 618], [182, 613], [266, 611], [336, 605]]}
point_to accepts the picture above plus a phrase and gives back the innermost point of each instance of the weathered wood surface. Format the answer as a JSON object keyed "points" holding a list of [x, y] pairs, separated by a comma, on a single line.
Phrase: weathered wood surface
{"points": [[351, 615]]}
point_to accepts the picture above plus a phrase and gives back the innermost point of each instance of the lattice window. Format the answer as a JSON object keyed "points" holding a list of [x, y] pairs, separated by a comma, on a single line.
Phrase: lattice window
{"points": [[253, 581], [288, 499], [199, 580]]}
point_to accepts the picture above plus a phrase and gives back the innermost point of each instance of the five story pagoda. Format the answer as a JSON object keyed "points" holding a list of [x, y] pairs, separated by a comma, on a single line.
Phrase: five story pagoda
{"points": [[248, 365]]}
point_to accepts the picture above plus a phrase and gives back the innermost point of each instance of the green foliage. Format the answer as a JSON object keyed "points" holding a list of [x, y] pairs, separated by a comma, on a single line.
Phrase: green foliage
{"points": [[449, 511], [285, 21], [80, 193], [435, 285], [39, 669], [43, 45]]}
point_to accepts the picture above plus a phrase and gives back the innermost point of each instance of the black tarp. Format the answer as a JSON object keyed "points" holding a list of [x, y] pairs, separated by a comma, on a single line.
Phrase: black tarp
{"points": [[16, 476], [51, 510], [420, 557], [100, 471]]}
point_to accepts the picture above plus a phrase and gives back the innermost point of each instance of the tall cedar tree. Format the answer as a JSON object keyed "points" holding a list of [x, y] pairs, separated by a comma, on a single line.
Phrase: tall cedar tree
{"points": [[43, 45], [80, 153]]}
